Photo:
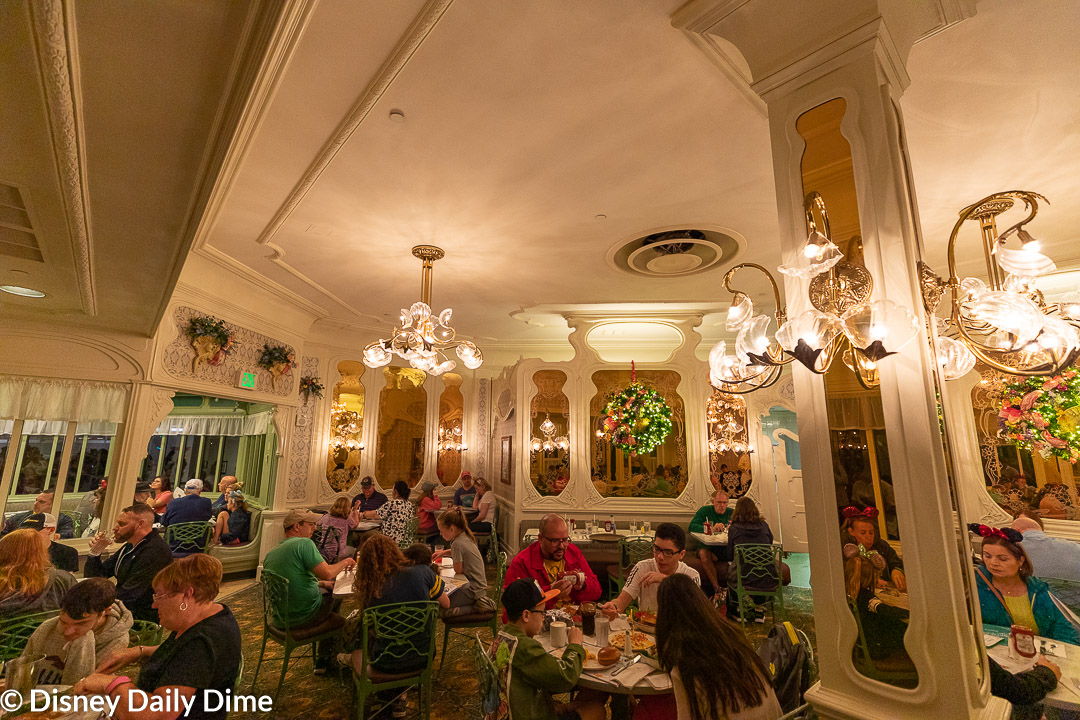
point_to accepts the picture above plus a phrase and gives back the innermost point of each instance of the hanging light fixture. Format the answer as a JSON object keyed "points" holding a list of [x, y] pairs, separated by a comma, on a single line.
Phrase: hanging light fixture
{"points": [[726, 433], [1005, 323], [842, 323], [450, 438], [421, 336], [345, 425], [549, 443]]}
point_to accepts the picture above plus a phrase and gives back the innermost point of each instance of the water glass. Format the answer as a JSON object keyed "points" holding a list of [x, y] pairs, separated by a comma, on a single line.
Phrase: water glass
{"points": [[646, 527], [20, 674]]}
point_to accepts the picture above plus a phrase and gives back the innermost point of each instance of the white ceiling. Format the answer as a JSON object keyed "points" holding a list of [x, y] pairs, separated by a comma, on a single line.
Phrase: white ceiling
{"points": [[523, 123]]}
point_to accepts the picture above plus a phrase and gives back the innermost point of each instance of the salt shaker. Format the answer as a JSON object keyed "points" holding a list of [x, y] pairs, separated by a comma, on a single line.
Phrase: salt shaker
{"points": [[628, 644]]}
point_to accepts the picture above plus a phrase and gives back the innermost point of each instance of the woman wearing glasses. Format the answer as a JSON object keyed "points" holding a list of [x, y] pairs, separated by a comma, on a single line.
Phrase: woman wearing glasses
{"points": [[669, 546]]}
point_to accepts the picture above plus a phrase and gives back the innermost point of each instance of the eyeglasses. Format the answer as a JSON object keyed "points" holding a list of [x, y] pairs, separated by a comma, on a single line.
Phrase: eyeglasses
{"points": [[657, 550], [161, 596], [557, 541]]}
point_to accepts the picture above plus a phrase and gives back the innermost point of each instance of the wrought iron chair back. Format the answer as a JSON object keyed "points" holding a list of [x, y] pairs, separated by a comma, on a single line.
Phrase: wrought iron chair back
{"points": [[188, 538], [16, 631], [144, 632], [400, 628], [754, 562], [411, 528]]}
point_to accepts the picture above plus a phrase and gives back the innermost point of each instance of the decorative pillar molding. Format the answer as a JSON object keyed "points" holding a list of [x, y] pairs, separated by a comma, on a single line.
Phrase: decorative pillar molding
{"points": [[147, 406], [802, 55]]}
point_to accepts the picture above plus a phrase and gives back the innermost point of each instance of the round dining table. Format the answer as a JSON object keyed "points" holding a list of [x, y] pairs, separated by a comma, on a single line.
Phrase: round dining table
{"points": [[657, 682]]}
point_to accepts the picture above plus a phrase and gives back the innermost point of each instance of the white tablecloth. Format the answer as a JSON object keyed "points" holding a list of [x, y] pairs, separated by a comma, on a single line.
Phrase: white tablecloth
{"points": [[720, 539], [1066, 656]]}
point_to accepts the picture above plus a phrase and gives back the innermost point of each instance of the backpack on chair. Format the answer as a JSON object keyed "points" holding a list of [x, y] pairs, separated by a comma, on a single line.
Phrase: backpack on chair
{"points": [[788, 656], [328, 541]]}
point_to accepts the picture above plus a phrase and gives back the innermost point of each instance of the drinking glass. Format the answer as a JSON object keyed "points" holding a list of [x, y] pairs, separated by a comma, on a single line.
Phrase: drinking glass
{"points": [[646, 527]]}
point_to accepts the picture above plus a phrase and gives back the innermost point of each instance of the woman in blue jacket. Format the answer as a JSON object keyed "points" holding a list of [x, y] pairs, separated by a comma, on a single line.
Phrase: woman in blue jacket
{"points": [[1009, 594]]}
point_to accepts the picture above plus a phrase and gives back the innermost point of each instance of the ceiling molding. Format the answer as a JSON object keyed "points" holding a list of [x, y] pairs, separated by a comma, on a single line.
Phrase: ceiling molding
{"points": [[241, 270], [949, 13], [395, 62], [719, 57], [57, 52]]}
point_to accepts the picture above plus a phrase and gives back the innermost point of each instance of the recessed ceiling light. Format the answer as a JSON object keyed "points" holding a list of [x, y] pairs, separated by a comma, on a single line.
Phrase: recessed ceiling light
{"points": [[19, 272], [397, 116], [22, 291], [601, 216]]}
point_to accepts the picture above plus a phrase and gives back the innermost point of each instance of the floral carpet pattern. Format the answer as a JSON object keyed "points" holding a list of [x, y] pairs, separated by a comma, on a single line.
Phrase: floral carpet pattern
{"points": [[305, 696]]}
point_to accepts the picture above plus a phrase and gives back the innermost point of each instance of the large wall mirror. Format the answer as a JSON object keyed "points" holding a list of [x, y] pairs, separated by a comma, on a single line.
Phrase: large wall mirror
{"points": [[402, 409], [729, 443], [346, 427], [661, 473], [451, 429], [549, 444]]}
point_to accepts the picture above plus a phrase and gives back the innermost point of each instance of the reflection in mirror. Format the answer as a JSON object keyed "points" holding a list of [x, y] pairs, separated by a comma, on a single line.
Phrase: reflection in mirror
{"points": [[873, 568], [549, 447], [729, 443], [402, 409], [346, 427], [659, 474], [451, 418]]}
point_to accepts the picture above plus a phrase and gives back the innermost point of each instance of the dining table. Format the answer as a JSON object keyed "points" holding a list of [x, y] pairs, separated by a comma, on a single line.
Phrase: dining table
{"points": [[585, 537], [652, 681], [1066, 696], [711, 540]]}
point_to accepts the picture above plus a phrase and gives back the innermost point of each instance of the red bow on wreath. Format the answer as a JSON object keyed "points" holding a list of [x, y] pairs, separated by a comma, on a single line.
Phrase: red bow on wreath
{"points": [[870, 513]]}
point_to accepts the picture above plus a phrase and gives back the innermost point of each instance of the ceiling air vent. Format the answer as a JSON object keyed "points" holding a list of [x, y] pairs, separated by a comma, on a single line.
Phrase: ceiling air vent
{"points": [[675, 253], [17, 237]]}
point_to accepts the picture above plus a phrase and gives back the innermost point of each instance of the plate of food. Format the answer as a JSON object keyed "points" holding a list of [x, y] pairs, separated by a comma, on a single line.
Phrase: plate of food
{"points": [[641, 642], [646, 621]]}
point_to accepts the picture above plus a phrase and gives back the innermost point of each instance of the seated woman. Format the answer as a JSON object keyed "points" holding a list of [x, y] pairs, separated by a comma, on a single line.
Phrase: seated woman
{"points": [[161, 495], [472, 597], [860, 528], [92, 625], [234, 523], [425, 514], [343, 517], [484, 504], [202, 653], [715, 672], [883, 625], [1009, 594], [28, 581], [395, 514], [747, 528]]}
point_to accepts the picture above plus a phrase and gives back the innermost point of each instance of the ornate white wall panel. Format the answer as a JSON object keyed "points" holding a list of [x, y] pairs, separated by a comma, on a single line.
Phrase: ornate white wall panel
{"points": [[300, 452]]}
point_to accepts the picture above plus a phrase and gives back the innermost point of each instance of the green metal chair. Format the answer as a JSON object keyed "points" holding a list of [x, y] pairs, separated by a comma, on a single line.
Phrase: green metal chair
{"points": [[276, 595], [411, 528], [632, 550], [404, 630], [239, 676], [16, 631], [487, 677], [895, 670], [144, 632], [188, 538], [493, 539], [758, 562], [458, 624]]}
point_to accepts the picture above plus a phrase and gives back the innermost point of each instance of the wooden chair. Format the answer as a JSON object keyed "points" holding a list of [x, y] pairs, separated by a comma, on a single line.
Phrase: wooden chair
{"points": [[188, 538], [16, 631], [762, 563], [403, 630], [456, 624], [276, 596]]}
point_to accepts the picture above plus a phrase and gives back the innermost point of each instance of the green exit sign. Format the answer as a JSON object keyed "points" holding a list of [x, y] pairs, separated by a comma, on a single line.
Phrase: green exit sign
{"points": [[247, 380]]}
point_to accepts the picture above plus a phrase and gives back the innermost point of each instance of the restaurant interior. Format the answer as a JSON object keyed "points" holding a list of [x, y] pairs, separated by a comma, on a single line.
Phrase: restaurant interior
{"points": [[610, 256]]}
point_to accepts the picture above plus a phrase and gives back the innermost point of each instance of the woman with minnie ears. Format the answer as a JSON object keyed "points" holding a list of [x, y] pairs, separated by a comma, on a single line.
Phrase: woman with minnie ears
{"points": [[859, 528], [1009, 594]]}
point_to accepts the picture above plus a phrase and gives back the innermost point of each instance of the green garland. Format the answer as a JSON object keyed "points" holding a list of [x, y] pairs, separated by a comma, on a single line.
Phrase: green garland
{"points": [[636, 420], [1042, 414]]}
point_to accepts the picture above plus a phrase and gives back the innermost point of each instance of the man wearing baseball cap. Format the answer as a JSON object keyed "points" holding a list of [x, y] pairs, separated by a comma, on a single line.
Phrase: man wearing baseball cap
{"points": [[63, 557], [311, 582], [534, 674], [369, 498], [464, 495]]}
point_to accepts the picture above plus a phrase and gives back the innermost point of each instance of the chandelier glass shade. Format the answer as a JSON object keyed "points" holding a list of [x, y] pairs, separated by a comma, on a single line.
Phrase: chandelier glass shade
{"points": [[345, 425], [422, 337], [549, 442], [842, 322], [1005, 322], [450, 439]]}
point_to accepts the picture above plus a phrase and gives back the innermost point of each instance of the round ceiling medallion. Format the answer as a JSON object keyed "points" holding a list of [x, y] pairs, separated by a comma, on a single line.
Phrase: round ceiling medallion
{"points": [[673, 264], [674, 253]]}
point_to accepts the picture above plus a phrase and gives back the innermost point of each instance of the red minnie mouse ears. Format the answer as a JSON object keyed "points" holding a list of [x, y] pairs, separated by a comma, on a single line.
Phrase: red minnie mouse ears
{"points": [[869, 513], [1013, 536]]}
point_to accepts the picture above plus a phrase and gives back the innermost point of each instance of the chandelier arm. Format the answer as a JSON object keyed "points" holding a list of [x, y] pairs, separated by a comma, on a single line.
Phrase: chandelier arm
{"points": [[1030, 201], [774, 372], [977, 350], [781, 312], [814, 201]]}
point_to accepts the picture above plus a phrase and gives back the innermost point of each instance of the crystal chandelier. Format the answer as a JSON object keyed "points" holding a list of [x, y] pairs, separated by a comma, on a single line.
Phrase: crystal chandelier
{"points": [[1006, 324], [842, 323], [345, 425], [421, 337], [549, 443], [450, 439], [726, 434]]}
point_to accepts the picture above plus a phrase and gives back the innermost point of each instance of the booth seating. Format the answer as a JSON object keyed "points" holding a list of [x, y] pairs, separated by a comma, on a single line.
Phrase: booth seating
{"points": [[239, 558]]}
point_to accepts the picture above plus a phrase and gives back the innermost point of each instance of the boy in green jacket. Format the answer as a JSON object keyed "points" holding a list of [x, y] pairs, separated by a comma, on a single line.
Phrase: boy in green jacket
{"points": [[529, 672]]}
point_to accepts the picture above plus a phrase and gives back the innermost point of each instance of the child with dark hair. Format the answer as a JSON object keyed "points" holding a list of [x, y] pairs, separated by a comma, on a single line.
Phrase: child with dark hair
{"points": [[92, 625], [418, 554]]}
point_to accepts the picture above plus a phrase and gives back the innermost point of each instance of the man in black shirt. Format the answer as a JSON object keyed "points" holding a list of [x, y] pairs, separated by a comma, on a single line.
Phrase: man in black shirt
{"points": [[63, 557], [42, 504], [135, 564]]}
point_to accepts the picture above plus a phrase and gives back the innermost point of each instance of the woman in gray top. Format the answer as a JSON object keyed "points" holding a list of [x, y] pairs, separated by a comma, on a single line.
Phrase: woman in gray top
{"points": [[472, 597]]}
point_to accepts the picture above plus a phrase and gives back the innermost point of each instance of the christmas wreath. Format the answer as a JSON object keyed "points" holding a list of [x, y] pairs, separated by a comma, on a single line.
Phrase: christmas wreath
{"points": [[636, 419], [210, 338], [1043, 414], [276, 356]]}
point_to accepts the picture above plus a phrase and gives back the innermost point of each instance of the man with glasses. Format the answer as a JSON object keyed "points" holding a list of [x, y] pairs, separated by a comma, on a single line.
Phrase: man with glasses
{"points": [[556, 564], [298, 560], [669, 547]]}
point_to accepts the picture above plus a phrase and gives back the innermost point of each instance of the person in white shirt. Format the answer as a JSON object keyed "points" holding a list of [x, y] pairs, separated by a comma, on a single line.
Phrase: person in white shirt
{"points": [[669, 547]]}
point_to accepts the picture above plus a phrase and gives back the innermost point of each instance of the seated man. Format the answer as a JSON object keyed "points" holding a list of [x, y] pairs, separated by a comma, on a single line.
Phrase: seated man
{"points": [[225, 485], [134, 565], [1054, 558], [92, 625], [668, 550], [860, 528], [556, 564], [466, 494], [142, 493], [369, 498], [714, 559], [311, 580], [63, 557], [190, 508], [535, 675], [42, 504]]}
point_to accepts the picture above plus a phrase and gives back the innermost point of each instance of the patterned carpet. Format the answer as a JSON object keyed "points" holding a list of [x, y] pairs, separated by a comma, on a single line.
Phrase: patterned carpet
{"points": [[305, 696]]}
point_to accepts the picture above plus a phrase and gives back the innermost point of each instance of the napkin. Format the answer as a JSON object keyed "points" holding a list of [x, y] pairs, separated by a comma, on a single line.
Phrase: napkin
{"points": [[632, 675], [659, 681], [1071, 685]]}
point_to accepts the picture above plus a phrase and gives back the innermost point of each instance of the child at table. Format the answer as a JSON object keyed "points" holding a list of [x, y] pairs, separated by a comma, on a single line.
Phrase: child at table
{"points": [[528, 674], [883, 625]]}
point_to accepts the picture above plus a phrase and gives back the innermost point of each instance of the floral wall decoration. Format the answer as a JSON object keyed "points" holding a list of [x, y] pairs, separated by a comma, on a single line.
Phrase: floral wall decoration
{"points": [[1042, 414], [211, 340], [310, 387], [277, 360]]}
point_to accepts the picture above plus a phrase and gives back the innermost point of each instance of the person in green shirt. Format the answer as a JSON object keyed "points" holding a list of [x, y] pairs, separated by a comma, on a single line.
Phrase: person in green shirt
{"points": [[528, 674], [298, 560], [713, 558]]}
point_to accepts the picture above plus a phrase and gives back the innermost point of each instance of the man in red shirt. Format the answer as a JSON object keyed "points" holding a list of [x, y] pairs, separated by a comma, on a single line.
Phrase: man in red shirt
{"points": [[557, 564]]}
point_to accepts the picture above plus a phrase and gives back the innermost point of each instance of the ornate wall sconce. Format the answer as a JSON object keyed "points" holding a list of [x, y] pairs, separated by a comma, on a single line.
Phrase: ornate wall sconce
{"points": [[726, 433], [1007, 324], [450, 438], [842, 324], [549, 443], [345, 425]]}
